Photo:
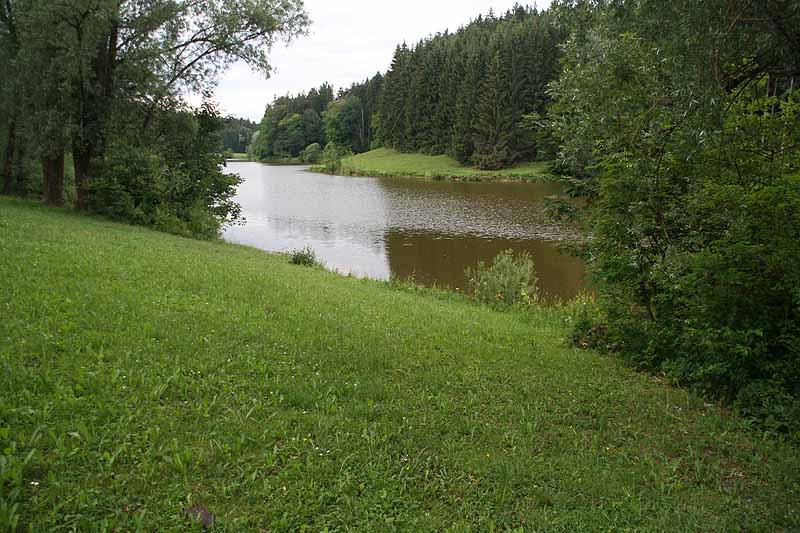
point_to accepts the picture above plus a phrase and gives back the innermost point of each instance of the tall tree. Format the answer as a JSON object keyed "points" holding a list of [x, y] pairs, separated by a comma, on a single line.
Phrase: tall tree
{"points": [[9, 48], [495, 120], [127, 51]]}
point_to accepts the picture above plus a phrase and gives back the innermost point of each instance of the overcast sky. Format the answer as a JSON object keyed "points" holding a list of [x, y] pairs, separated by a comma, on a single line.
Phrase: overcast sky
{"points": [[349, 40]]}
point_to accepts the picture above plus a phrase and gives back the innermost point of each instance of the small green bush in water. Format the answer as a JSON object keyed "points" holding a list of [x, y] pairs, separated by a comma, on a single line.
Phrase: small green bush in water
{"points": [[305, 257], [508, 281]]}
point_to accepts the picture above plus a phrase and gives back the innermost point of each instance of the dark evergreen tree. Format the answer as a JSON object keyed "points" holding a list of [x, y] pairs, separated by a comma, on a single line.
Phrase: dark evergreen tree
{"points": [[494, 124]]}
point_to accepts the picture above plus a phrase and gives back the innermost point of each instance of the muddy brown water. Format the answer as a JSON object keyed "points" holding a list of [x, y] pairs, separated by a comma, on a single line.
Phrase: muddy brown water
{"points": [[378, 227]]}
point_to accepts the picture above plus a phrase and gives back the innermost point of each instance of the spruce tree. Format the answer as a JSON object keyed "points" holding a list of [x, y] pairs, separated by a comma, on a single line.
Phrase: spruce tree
{"points": [[494, 124]]}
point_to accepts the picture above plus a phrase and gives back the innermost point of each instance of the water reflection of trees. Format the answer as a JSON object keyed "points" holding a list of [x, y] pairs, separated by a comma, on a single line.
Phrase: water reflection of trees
{"points": [[436, 257]]}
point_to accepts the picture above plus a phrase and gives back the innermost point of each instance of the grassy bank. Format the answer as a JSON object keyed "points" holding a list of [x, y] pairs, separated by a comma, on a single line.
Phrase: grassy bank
{"points": [[143, 374], [287, 161], [390, 163]]}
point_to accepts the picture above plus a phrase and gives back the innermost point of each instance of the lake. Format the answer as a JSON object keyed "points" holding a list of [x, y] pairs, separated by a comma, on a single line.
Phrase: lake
{"points": [[378, 227]]}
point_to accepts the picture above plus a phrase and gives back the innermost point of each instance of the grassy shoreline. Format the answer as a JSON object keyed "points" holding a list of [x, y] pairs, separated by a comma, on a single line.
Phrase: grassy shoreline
{"points": [[143, 374], [385, 162]]}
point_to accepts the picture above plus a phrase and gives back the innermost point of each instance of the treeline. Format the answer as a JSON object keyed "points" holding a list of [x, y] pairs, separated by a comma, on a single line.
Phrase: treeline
{"points": [[476, 94], [298, 127], [292, 123], [99, 85], [680, 121], [237, 134]]}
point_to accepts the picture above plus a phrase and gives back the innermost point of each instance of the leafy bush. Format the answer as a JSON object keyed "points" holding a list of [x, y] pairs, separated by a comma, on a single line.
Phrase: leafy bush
{"points": [[508, 281], [586, 323], [304, 257], [312, 154], [179, 188], [333, 154]]}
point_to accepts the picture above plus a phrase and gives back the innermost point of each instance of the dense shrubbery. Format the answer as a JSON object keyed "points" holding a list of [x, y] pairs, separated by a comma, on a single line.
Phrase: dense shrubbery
{"points": [[695, 195], [180, 189], [312, 154], [509, 280], [332, 156]]}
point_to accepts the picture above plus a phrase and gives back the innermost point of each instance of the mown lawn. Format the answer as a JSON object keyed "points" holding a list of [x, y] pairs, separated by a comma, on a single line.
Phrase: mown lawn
{"points": [[142, 374], [387, 162]]}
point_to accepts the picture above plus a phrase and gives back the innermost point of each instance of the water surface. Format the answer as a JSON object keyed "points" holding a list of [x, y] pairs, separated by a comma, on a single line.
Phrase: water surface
{"points": [[377, 227]]}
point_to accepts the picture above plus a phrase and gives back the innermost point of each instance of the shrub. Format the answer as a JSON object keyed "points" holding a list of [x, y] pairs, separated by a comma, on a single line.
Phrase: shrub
{"points": [[332, 156], [508, 281], [312, 154], [178, 187], [305, 257], [587, 325]]}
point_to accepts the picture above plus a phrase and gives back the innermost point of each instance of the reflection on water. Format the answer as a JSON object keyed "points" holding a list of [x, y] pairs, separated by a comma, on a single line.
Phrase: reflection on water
{"points": [[376, 227]]}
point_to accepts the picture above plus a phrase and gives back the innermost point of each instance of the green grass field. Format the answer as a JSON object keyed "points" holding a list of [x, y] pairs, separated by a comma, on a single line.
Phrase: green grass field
{"points": [[144, 373], [386, 162]]}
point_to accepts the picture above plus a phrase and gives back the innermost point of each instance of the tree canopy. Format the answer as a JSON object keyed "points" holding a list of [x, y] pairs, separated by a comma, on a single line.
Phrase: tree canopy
{"points": [[93, 77]]}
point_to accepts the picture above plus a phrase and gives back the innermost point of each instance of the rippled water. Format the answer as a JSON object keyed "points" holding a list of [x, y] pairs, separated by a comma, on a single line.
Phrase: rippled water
{"points": [[377, 227]]}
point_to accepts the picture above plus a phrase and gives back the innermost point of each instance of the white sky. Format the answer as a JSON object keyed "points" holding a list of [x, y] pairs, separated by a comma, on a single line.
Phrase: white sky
{"points": [[349, 40]]}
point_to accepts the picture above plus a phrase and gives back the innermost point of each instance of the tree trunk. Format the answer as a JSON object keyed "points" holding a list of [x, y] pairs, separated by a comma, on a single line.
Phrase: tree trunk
{"points": [[8, 159], [53, 184], [83, 159], [89, 143]]}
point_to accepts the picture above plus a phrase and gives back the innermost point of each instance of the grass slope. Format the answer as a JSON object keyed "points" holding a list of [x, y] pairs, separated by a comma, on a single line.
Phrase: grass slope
{"points": [[386, 162], [144, 373]]}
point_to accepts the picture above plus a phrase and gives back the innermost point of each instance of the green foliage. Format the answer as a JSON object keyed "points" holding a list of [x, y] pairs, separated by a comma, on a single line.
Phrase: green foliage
{"points": [[586, 322], [304, 257], [509, 280], [179, 188], [695, 196], [465, 94], [494, 122], [237, 134], [333, 155], [345, 124], [312, 154], [290, 124]]}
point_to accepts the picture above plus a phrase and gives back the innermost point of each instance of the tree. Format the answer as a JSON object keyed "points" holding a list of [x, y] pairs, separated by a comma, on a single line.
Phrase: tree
{"points": [[682, 118], [345, 124], [313, 127], [290, 139], [127, 51], [494, 126], [9, 48]]}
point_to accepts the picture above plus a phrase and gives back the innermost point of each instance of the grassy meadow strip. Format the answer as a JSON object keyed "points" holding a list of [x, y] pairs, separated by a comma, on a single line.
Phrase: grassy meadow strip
{"points": [[143, 374], [390, 163]]}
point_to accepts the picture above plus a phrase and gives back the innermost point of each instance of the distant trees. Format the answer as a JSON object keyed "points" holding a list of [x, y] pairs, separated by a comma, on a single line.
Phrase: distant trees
{"points": [[237, 134], [466, 94], [291, 123], [346, 119]]}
